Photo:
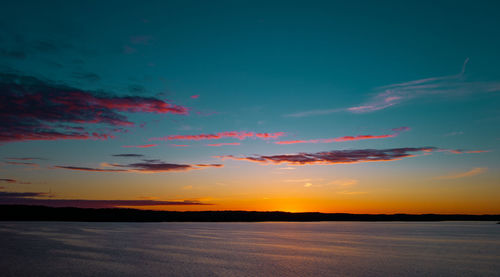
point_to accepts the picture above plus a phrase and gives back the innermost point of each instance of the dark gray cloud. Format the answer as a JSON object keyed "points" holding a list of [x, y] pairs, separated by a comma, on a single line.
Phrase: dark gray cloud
{"points": [[39, 198], [337, 156], [24, 158], [128, 155], [146, 166]]}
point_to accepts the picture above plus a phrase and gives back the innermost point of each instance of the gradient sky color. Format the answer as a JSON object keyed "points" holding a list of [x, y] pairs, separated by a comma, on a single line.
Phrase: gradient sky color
{"points": [[331, 106]]}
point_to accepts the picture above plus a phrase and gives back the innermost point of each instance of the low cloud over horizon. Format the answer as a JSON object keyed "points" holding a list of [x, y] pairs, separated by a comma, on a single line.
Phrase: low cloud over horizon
{"points": [[39, 199]]}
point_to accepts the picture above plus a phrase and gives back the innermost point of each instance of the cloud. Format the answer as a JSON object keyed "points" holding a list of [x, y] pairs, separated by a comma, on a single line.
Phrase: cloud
{"points": [[196, 96], [12, 181], [232, 134], [179, 145], [472, 172], [146, 166], [395, 133], [313, 112], [459, 151], [22, 163], [210, 165], [33, 109], [223, 144], [395, 94], [335, 157], [298, 141], [128, 155], [140, 146], [37, 198], [89, 169], [401, 129], [157, 167], [6, 194], [24, 158]]}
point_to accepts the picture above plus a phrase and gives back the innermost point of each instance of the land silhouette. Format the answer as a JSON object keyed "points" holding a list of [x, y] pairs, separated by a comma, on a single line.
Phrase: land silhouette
{"points": [[44, 213]]}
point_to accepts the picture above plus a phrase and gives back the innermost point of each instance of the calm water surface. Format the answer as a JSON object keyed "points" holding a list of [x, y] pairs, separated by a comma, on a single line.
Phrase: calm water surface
{"points": [[250, 249]]}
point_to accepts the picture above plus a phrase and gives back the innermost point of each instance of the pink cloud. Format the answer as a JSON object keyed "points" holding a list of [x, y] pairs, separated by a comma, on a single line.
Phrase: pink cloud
{"points": [[232, 134], [196, 96], [362, 137], [223, 144], [270, 135], [33, 109], [294, 141], [396, 132], [459, 151]]}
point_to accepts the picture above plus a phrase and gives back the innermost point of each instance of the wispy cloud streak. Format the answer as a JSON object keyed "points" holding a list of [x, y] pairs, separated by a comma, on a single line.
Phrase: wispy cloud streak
{"points": [[460, 151], [395, 94], [232, 134], [395, 133], [472, 172], [38, 198]]}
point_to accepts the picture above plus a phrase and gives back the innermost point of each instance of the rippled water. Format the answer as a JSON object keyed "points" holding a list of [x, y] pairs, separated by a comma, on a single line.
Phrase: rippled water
{"points": [[250, 249]]}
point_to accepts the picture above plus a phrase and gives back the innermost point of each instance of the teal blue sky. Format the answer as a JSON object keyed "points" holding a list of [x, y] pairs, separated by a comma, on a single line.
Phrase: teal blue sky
{"points": [[301, 70]]}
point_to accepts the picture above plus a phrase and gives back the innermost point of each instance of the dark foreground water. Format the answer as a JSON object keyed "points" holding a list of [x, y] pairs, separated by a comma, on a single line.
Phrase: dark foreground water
{"points": [[250, 249]]}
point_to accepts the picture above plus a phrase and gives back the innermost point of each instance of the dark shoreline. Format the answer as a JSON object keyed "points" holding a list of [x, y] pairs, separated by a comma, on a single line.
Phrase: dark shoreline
{"points": [[43, 213]]}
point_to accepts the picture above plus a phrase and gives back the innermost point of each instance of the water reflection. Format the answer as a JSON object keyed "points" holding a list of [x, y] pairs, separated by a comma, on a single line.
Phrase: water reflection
{"points": [[250, 249]]}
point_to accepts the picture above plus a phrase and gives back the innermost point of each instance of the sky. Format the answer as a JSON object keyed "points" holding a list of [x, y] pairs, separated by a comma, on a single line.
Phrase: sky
{"points": [[299, 106]]}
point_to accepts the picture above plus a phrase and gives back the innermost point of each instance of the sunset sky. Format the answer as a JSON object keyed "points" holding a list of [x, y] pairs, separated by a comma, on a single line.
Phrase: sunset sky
{"points": [[330, 106]]}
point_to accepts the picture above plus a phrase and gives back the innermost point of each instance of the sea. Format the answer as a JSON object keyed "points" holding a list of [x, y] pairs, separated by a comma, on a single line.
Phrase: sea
{"points": [[250, 249]]}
